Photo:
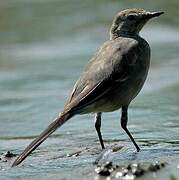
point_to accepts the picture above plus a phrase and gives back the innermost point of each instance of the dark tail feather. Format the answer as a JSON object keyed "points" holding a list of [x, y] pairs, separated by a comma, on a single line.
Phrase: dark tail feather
{"points": [[42, 137]]}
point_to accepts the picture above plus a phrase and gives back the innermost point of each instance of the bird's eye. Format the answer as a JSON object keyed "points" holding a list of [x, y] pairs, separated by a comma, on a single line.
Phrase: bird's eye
{"points": [[131, 17]]}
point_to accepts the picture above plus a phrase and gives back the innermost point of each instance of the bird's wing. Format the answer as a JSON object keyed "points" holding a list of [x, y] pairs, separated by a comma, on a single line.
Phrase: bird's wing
{"points": [[111, 66]]}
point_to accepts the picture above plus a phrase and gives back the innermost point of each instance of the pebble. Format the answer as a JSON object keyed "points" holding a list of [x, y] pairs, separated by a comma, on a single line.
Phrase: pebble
{"points": [[131, 171], [9, 154]]}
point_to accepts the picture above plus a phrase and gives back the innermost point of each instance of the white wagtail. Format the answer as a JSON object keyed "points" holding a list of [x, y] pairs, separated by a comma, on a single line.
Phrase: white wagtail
{"points": [[112, 78]]}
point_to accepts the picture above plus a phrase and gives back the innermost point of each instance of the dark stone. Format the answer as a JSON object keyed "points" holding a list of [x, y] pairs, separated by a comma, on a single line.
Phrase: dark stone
{"points": [[154, 167], [139, 172], [103, 171], [125, 173], [162, 164], [108, 165], [9, 154], [129, 167]]}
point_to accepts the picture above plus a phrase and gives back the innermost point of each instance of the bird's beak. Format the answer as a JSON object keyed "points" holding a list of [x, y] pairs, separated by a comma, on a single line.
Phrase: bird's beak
{"points": [[150, 15]]}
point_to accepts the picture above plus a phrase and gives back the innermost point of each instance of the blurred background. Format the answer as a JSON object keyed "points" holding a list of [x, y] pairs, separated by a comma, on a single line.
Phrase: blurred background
{"points": [[44, 45]]}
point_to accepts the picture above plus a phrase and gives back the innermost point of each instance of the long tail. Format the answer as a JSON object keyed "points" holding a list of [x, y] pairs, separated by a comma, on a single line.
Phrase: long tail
{"points": [[42, 137]]}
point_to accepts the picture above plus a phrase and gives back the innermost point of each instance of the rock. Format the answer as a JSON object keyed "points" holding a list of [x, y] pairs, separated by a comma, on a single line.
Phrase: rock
{"points": [[130, 171], [105, 169], [9, 154]]}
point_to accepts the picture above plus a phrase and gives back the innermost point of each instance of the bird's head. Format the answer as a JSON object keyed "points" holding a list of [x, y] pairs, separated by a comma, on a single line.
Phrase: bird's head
{"points": [[131, 21]]}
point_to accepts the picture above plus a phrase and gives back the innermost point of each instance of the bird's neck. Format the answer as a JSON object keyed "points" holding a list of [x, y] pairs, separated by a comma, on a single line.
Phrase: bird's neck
{"points": [[117, 31]]}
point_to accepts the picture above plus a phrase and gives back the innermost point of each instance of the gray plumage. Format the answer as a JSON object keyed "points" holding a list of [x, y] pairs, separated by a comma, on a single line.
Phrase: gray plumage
{"points": [[112, 78]]}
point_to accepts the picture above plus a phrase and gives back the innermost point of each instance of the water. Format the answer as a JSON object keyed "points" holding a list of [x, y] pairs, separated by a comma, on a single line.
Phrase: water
{"points": [[43, 48]]}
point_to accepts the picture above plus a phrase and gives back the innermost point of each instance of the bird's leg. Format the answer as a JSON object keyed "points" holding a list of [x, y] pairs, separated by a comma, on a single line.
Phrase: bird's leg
{"points": [[124, 119], [98, 127]]}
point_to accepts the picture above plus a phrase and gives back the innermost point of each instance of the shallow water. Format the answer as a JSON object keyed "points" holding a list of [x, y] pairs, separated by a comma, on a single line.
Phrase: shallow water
{"points": [[43, 48]]}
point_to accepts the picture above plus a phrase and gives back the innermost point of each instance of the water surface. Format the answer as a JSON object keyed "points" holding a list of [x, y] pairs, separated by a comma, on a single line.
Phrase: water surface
{"points": [[43, 48]]}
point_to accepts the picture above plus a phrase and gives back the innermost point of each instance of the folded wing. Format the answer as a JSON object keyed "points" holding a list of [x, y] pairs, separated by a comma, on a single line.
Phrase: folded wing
{"points": [[111, 66]]}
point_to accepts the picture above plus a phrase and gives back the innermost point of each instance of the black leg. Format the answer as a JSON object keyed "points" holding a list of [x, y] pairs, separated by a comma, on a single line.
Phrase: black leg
{"points": [[98, 127], [124, 119]]}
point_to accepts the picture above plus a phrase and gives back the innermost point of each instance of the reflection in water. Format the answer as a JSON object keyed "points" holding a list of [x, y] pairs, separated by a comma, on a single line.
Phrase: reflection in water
{"points": [[44, 46]]}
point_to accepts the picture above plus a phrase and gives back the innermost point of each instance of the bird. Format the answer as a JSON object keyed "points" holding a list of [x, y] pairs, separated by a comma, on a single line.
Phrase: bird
{"points": [[111, 79]]}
